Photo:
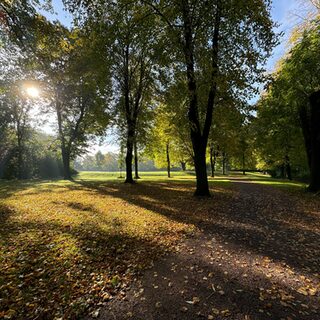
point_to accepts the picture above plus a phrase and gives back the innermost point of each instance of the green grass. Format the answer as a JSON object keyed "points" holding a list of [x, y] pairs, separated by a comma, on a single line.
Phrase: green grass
{"points": [[150, 176], [268, 180], [189, 176]]}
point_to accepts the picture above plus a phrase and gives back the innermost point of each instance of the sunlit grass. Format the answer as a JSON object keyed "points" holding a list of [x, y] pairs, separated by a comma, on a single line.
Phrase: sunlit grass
{"points": [[268, 180]]}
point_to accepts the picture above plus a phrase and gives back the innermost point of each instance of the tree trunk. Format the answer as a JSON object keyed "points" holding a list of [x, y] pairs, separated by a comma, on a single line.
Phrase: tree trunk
{"points": [[315, 142], [309, 121], [199, 138], [224, 160], [64, 151], [201, 172], [288, 167], [243, 164], [215, 155], [66, 164], [20, 155], [136, 171], [129, 154], [305, 126], [20, 138], [282, 171], [183, 165], [168, 160], [212, 153]]}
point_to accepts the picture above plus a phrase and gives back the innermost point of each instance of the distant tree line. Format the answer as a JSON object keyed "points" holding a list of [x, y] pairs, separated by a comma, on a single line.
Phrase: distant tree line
{"points": [[108, 162]]}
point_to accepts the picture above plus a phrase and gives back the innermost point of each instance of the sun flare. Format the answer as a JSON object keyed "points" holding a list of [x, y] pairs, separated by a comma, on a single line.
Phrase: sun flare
{"points": [[33, 92]]}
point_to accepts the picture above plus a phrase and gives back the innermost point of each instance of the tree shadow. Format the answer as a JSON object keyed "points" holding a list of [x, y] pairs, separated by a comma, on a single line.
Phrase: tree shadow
{"points": [[256, 219], [264, 220], [221, 291], [50, 265]]}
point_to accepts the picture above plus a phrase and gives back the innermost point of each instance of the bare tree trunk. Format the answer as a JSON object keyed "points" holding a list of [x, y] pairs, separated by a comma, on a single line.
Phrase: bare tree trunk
{"points": [[66, 164], [168, 160], [129, 154], [183, 165], [20, 151], [136, 162], [65, 152], [282, 171]]}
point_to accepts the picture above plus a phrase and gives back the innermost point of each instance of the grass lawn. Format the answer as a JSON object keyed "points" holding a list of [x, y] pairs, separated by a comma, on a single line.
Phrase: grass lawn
{"points": [[267, 180], [68, 246]]}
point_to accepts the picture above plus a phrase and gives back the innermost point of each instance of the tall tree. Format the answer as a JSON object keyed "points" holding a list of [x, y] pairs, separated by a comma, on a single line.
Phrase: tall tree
{"points": [[76, 83], [133, 54], [295, 93], [220, 50]]}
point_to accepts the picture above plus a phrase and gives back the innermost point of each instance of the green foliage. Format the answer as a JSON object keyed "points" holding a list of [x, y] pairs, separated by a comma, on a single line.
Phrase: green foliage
{"points": [[165, 135], [278, 126]]}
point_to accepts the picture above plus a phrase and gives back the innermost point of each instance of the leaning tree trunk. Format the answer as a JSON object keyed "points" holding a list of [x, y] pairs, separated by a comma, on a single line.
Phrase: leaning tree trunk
{"points": [[136, 162], [168, 160], [314, 142]]}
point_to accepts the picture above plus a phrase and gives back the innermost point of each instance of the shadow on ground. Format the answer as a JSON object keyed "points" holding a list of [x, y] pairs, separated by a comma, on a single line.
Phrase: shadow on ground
{"points": [[256, 255], [264, 254]]}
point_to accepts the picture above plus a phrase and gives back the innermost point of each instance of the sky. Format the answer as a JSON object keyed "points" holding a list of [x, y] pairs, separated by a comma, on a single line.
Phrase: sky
{"points": [[287, 13]]}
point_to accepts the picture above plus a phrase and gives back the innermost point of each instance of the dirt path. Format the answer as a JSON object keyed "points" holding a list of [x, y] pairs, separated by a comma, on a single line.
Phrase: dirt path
{"points": [[258, 259]]}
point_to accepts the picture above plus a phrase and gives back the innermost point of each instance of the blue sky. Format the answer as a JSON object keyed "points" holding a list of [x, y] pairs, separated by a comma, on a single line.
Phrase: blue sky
{"points": [[287, 13]]}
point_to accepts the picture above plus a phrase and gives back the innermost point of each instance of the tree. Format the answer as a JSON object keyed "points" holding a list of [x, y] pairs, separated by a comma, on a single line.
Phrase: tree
{"points": [[15, 104], [133, 62], [203, 47], [302, 69], [99, 160], [76, 85], [214, 57], [160, 141], [295, 93], [164, 145], [73, 77], [277, 135], [129, 31]]}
